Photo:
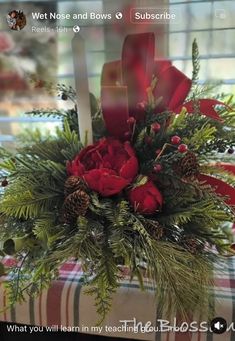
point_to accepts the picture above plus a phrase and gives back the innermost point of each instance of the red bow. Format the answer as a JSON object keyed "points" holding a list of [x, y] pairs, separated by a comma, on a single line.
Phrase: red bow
{"points": [[205, 106], [124, 85], [221, 187], [228, 167]]}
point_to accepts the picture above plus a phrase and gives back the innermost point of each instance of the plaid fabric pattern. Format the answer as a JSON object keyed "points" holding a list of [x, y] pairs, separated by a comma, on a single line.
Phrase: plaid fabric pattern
{"points": [[65, 304]]}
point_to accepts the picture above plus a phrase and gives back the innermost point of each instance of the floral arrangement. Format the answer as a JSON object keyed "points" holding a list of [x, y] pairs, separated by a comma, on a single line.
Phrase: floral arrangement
{"points": [[151, 192]]}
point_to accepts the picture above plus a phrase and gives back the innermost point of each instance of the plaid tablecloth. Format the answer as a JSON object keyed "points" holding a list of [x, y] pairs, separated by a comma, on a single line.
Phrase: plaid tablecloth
{"points": [[66, 306]]}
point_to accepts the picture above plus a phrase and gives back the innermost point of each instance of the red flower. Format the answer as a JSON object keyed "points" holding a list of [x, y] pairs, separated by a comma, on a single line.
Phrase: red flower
{"points": [[145, 198], [107, 166]]}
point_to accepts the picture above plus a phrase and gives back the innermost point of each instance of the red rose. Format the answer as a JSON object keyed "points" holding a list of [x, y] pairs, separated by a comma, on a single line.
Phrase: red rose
{"points": [[107, 166], [145, 198]]}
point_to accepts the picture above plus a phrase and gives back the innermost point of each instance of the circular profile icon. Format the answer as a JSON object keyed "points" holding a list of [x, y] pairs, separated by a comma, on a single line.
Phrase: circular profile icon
{"points": [[16, 20], [218, 325]]}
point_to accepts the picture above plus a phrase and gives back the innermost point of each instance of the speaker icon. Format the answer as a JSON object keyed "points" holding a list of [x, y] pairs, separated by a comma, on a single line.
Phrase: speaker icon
{"points": [[218, 325]]}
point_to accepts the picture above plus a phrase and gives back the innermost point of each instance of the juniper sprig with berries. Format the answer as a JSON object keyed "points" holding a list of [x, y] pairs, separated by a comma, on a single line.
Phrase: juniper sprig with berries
{"points": [[49, 213]]}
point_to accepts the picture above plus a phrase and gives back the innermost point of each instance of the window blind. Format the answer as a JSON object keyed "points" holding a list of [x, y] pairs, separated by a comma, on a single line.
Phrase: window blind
{"points": [[212, 24]]}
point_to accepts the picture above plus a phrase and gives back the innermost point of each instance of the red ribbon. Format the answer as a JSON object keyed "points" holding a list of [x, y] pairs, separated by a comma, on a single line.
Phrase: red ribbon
{"points": [[220, 187], [173, 86], [115, 116], [124, 86], [228, 167], [204, 106], [134, 72]]}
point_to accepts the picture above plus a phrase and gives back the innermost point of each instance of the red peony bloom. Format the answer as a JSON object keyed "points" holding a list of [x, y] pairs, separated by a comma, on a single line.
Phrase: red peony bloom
{"points": [[107, 166], [145, 198]]}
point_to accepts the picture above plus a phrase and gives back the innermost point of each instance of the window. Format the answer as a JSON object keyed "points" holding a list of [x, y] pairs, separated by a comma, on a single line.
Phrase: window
{"points": [[212, 24], [23, 54], [49, 56]]}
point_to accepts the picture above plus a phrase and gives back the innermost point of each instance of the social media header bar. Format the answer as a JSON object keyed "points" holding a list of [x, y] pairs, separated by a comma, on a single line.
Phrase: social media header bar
{"points": [[136, 16], [154, 15]]}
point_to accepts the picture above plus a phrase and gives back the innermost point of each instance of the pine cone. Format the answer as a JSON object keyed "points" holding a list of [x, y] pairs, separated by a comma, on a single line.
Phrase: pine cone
{"points": [[75, 204], [155, 229], [193, 245], [157, 233], [188, 165], [72, 184]]}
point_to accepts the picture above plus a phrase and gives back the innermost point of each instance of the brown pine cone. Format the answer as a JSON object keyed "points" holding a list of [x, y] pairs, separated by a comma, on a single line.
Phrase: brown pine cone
{"points": [[193, 245], [155, 229], [188, 165], [72, 184], [75, 204]]}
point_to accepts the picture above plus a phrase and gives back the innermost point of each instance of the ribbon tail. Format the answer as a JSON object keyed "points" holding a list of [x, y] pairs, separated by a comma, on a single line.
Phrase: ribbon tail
{"points": [[220, 187], [114, 103], [161, 65], [228, 167], [173, 87], [204, 106]]}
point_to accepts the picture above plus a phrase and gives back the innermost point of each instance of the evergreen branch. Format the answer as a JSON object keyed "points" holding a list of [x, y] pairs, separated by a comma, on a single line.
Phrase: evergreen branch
{"points": [[174, 280], [105, 283], [195, 62], [27, 205], [46, 229], [200, 137], [213, 169]]}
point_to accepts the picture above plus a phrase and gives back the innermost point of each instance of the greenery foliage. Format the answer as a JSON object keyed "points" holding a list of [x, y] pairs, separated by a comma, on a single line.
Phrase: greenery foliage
{"points": [[172, 248]]}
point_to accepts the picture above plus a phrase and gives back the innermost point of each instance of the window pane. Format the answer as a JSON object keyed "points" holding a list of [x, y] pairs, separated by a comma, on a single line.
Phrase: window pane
{"points": [[214, 33]]}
